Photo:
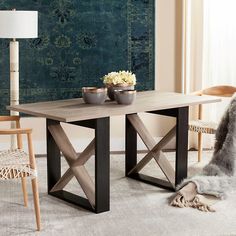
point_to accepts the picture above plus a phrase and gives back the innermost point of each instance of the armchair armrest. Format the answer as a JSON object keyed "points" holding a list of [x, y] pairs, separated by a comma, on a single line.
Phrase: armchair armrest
{"points": [[15, 131], [9, 118]]}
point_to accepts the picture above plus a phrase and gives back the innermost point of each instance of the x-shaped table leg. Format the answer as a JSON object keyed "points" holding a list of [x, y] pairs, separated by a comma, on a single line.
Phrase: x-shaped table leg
{"points": [[77, 168], [81, 160], [97, 193], [135, 125]]}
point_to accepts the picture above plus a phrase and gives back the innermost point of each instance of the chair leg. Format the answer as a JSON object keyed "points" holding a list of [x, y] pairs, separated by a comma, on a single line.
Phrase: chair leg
{"points": [[36, 202], [199, 147], [24, 190]]}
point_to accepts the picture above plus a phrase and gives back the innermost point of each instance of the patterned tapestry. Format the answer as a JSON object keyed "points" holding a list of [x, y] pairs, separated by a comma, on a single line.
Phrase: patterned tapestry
{"points": [[79, 42]]}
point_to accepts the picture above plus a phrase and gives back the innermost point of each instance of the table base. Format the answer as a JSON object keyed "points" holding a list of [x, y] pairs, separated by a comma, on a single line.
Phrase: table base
{"points": [[134, 126], [98, 193]]}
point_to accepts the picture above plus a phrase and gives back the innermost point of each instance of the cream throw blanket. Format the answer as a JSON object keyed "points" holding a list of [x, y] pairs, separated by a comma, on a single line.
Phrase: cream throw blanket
{"points": [[218, 178]]}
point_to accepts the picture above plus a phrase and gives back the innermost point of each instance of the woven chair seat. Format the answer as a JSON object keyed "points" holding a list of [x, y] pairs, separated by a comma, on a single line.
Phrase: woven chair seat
{"points": [[15, 164], [202, 126]]}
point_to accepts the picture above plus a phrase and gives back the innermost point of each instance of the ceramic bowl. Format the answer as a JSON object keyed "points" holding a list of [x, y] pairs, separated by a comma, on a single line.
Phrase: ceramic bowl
{"points": [[112, 88], [94, 95], [125, 97]]}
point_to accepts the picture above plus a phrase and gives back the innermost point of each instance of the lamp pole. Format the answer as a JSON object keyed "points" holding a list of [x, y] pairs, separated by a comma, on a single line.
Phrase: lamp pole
{"points": [[14, 82]]}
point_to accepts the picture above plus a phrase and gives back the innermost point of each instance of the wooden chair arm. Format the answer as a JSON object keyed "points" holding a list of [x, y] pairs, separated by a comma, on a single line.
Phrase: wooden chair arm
{"points": [[9, 118], [15, 131]]}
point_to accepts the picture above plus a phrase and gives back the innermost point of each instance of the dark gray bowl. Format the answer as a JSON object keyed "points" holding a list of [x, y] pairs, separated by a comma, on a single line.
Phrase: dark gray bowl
{"points": [[112, 88], [94, 95], [125, 97]]}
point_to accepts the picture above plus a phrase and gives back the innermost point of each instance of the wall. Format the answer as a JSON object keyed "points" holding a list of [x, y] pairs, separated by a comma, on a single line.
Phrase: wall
{"points": [[167, 79], [168, 56], [78, 43]]}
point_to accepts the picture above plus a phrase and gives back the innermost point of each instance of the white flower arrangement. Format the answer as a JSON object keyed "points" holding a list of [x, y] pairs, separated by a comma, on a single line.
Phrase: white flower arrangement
{"points": [[119, 78]]}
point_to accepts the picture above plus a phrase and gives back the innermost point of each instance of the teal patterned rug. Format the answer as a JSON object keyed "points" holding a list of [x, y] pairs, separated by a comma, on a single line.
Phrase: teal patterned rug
{"points": [[79, 42]]}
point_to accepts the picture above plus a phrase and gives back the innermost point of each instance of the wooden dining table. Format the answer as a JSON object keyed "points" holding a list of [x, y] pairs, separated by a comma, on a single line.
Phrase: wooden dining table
{"points": [[97, 117]]}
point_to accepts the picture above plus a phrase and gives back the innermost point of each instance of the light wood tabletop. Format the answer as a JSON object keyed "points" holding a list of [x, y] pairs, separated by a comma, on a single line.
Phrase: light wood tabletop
{"points": [[76, 110]]}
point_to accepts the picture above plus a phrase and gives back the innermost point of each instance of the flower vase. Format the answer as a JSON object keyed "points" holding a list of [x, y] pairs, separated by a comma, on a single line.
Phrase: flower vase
{"points": [[112, 87]]}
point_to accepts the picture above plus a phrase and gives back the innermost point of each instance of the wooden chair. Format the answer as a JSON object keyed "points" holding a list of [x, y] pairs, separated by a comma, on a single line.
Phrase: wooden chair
{"points": [[201, 126], [15, 163]]}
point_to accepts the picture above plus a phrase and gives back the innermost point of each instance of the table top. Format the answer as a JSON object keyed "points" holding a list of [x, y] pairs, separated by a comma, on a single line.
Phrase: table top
{"points": [[75, 109]]}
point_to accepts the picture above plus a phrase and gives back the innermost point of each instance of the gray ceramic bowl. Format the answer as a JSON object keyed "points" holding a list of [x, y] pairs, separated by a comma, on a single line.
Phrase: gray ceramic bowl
{"points": [[125, 97], [94, 95], [112, 88]]}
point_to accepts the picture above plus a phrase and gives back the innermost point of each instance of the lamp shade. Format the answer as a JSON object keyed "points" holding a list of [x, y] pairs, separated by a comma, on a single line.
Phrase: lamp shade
{"points": [[18, 24]]}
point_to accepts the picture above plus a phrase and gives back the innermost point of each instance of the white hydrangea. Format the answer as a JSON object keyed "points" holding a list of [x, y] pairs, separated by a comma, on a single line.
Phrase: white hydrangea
{"points": [[121, 77]]}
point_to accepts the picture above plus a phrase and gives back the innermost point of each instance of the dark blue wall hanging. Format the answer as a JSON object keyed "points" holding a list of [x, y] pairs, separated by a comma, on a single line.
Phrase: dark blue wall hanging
{"points": [[79, 42]]}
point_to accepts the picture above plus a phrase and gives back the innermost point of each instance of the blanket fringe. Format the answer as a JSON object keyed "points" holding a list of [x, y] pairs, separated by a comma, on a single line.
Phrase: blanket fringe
{"points": [[180, 201]]}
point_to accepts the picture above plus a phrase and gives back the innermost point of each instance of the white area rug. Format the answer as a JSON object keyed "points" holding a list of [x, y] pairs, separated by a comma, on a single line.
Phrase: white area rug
{"points": [[136, 209]]}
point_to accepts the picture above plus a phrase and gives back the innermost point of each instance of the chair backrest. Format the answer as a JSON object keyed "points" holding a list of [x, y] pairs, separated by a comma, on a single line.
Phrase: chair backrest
{"points": [[220, 91], [15, 119]]}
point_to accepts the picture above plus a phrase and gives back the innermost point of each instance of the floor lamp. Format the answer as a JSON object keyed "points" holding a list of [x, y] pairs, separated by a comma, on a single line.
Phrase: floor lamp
{"points": [[17, 24]]}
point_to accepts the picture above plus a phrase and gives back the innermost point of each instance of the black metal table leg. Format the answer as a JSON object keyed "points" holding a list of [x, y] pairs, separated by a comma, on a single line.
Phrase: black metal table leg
{"points": [[53, 158], [130, 147], [181, 165], [102, 165]]}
